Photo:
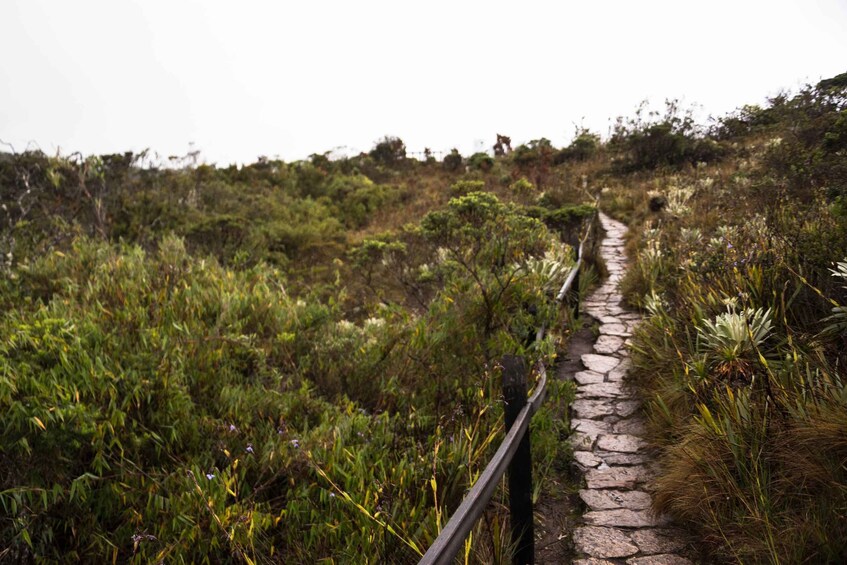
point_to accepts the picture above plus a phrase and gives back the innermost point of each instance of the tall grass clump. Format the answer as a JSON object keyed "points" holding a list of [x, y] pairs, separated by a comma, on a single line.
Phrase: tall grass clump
{"points": [[741, 354]]}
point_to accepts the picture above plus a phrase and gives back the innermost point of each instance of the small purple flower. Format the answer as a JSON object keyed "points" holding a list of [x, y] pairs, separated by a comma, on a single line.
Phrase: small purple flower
{"points": [[295, 443], [232, 427], [249, 448], [729, 246], [210, 476], [332, 495]]}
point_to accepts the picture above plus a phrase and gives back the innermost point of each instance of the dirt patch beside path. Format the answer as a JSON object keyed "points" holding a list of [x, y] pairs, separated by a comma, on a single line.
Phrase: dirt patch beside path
{"points": [[559, 507]]}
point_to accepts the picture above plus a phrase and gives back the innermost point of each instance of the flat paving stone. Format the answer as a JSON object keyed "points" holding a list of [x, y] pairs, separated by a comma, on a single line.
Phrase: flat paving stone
{"points": [[616, 376], [600, 390], [608, 344], [596, 427], [656, 540], [583, 442], [587, 459], [616, 477], [599, 363], [664, 559], [588, 377], [610, 320], [633, 425], [608, 499], [592, 409], [622, 517], [603, 542], [607, 434], [619, 372], [626, 408], [623, 443], [613, 458], [618, 330]]}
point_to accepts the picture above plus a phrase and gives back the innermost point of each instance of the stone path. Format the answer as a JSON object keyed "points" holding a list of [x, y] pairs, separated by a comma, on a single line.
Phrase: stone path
{"points": [[619, 526]]}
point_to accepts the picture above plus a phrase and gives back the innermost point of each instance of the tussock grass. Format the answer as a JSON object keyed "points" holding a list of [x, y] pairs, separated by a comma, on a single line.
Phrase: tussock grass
{"points": [[740, 358]]}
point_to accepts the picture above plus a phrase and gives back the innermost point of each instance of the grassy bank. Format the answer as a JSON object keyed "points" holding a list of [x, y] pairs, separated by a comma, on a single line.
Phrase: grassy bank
{"points": [[740, 267]]}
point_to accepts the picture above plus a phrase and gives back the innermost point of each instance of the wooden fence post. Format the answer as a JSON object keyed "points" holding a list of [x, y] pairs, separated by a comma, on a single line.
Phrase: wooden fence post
{"points": [[520, 468], [574, 300]]}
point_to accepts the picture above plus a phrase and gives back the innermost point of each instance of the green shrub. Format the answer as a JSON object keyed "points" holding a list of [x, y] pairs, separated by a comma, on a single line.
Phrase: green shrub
{"points": [[740, 362], [156, 405], [390, 151], [463, 187], [481, 162], [749, 119], [584, 146], [453, 161], [670, 141], [522, 186]]}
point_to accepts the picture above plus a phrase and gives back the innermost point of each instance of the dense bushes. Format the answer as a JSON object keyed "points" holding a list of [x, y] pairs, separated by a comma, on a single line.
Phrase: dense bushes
{"points": [[811, 154], [584, 146], [672, 140], [390, 151], [158, 406], [270, 210], [741, 357], [481, 161], [452, 161]]}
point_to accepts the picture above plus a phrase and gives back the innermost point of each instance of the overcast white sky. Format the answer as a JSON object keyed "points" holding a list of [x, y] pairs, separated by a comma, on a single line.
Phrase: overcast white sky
{"points": [[250, 78]]}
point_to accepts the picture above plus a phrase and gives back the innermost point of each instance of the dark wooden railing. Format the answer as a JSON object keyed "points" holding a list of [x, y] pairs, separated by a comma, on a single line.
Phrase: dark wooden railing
{"points": [[514, 452]]}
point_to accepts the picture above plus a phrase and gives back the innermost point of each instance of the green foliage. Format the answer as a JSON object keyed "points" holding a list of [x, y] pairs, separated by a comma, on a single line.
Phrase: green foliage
{"points": [[837, 322], [567, 221], [741, 359], [463, 187], [731, 340], [747, 120], [837, 83], [534, 160], [812, 151], [653, 141], [522, 186], [584, 146], [267, 211], [390, 151], [158, 405], [481, 162], [453, 161]]}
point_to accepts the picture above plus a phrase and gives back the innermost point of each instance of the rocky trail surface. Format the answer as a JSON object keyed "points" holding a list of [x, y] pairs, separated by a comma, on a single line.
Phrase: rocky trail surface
{"points": [[619, 526]]}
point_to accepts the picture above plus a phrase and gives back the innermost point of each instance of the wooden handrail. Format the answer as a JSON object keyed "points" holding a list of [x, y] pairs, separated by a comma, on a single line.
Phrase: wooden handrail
{"points": [[450, 540]]}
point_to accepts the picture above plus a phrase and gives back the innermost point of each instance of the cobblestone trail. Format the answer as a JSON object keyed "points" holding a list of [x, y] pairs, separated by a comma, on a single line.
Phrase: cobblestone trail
{"points": [[619, 526]]}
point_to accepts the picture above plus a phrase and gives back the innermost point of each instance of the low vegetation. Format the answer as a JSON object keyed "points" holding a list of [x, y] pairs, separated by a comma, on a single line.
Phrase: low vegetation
{"points": [[206, 365], [741, 270], [298, 361]]}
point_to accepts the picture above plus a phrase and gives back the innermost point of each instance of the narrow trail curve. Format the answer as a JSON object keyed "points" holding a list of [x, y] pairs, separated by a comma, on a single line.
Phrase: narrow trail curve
{"points": [[619, 527]]}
